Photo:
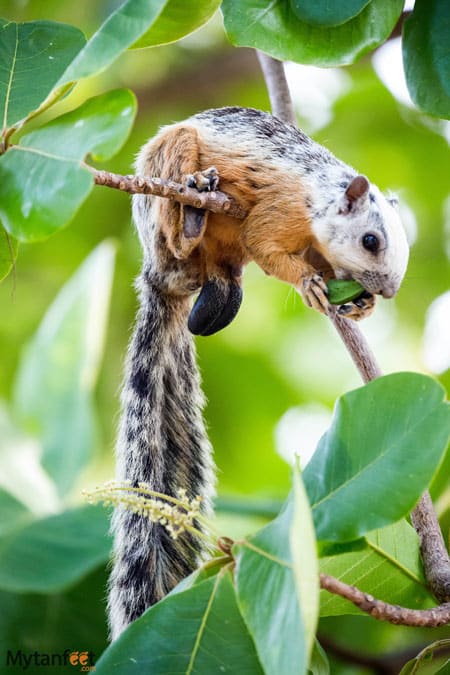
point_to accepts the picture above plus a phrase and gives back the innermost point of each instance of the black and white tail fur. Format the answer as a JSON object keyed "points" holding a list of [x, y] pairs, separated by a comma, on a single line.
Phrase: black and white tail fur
{"points": [[162, 439]]}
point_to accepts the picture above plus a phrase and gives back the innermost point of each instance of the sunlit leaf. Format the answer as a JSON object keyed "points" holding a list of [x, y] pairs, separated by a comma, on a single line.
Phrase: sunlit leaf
{"points": [[391, 432], [120, 30], [177, 19], [304, 559], [213, 638], [268, 596], [41, 181], [318, 664], [51, 554], [387, 566], [58, 372], [274, 28], [21, 472], [13, 513], [33, 57], [426, 56], [8, 252]]}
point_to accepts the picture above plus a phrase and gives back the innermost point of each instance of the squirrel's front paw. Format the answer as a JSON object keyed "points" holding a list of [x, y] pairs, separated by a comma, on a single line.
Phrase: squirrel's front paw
{"points": [[313, 290], [360, 308], [203, 181]]}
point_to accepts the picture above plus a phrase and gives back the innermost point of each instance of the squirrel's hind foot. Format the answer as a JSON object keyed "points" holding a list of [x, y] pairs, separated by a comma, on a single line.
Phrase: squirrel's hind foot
{"points": [[360, 308], [194, 220], [203, 181]]}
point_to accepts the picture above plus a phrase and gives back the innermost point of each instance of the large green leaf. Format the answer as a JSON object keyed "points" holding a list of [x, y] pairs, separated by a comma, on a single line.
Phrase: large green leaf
{"points": [[387, 566], [326, 13], [58, 372], [426, 56], [391, 432], [8, 252], [211, 638], [74, 619], [33, 56], [41, 181], [274, 28], [21, 472], [13, 513], [128, 24], [268, 596], [177, 19], [304, 558], [53, 553]]}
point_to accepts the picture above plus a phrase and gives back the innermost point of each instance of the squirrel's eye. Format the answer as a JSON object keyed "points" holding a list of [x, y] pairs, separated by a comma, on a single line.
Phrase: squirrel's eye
{"points": [[371, 243]]}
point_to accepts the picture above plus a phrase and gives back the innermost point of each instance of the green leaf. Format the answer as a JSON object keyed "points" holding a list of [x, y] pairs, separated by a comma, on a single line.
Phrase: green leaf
{"points": [[120, 30], [41, 181], [341, 291], [304, 558], [391, 432], [8, 252], [414, 666], [13, 513], [53, 553], [326, 13], [33, 56], [213, 638], [388, 567], [319, 662], [50, 624], [267, 596], [177, 19], [58, 372], [274, 29], [426, 56], [21, 472]]}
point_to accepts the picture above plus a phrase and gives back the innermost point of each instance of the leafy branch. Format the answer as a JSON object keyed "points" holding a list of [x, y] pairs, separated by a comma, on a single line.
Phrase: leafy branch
{"points": [[434, 553]]}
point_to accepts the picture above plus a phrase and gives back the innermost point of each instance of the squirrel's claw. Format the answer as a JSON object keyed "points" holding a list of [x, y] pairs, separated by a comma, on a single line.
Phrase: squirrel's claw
{"points": [[313, 290], [203, 181], [360, 308], [216, 306], [194, 220]]}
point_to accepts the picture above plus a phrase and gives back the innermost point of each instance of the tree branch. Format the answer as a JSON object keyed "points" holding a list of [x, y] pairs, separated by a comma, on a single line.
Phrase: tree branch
{"points": [[383, 611], [277, 87], [435, 558], [218, 202]]}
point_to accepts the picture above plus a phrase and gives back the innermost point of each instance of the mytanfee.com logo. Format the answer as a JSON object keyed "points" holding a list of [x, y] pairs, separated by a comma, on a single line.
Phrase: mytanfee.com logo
{"points": [[82, 661]]}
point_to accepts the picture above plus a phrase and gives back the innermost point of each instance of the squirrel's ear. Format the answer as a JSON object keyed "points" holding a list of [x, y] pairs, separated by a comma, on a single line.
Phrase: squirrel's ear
{"points": [[356, 193]]}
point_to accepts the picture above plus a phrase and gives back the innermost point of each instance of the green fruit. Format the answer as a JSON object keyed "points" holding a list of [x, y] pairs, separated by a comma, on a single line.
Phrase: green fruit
{"points": [[341, 291]]}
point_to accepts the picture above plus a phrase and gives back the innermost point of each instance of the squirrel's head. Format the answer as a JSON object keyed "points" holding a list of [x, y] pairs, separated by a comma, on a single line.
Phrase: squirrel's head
{"points": [[362, 237]]}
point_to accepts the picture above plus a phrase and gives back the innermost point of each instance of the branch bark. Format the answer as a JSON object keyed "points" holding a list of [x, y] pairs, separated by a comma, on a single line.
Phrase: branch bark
{"points": [[277, 87], [218, 202], [383, 611], [434, 554]]}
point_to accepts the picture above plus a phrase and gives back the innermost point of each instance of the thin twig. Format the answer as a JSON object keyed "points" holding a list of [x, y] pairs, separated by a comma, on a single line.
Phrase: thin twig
{"points": [[277, 87], [218, 202], [383, 611], [357, 346]]}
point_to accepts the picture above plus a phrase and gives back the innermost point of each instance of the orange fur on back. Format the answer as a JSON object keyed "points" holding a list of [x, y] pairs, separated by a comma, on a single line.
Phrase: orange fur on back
{"points": [[277, 228]]}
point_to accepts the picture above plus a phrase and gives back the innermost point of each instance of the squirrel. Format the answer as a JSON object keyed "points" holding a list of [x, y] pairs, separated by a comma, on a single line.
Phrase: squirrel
{"points": [[310, 217]]}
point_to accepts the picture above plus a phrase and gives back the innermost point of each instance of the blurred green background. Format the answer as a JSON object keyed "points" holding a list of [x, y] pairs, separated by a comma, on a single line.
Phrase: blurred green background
{"points": [[277, 356]]}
